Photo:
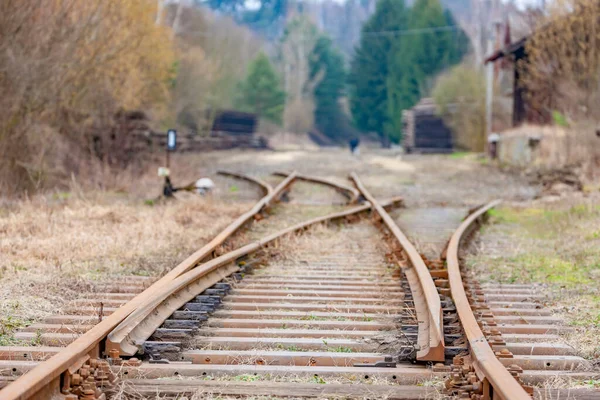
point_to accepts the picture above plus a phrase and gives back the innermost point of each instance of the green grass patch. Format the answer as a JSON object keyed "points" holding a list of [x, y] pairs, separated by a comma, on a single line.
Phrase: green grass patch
{"points": [[340, 349], [457, 155], [8, 326], [544, 223], [594, 235], [526, 268], [246, 378]]}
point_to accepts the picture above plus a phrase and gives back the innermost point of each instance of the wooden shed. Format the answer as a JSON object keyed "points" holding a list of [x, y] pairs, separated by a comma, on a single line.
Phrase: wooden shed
{"points": [[424, 130]]}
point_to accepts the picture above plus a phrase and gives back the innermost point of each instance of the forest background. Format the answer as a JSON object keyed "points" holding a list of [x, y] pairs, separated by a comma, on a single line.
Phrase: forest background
{"points": [[71, 70]]}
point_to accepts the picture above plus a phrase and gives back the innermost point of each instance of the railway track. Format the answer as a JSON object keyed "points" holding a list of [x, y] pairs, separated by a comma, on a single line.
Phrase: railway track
{"points": [[343, 299]]}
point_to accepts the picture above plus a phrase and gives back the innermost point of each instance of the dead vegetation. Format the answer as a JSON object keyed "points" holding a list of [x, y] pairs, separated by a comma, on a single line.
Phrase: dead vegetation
{"points": [[54, 248]]}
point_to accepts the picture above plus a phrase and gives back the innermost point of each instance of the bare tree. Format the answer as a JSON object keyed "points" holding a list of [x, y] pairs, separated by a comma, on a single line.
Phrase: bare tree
{"points": [[296, 47]]}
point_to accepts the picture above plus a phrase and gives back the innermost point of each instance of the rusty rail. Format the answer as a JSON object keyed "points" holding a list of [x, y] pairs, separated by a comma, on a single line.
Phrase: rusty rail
{"points": [[347, 191], [44, 379], [268, 189], [140, 324], [428, 305], [488, 368]]}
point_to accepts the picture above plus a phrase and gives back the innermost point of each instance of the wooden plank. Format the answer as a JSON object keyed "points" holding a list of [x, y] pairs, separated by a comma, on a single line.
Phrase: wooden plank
{"points": [[284, 333], [246, 298], [28, 353], [303, 315], [358, 294], [292, 323], [295, 358], [408, 375], [538, 349], [527, 362], [177, 387], [249, 343], [347, 308]]}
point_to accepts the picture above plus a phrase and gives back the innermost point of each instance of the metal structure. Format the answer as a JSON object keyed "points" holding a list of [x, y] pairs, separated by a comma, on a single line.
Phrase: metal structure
{"points": [[428, 305]]}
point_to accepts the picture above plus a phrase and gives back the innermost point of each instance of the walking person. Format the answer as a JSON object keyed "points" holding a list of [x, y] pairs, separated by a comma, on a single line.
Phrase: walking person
{"points": [[354, 143]]}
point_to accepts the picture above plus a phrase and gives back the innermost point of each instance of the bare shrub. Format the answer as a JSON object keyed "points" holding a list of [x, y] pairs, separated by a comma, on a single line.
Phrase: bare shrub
{"points": [[298, 42], [561, 77], [460, 97], [561, 69], [299, 115], [68, 67]]}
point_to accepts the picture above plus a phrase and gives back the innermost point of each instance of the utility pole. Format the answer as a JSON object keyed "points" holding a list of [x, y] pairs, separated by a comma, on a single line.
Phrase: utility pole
{"points": [[489, 93], [159, 11], [177, 20]]}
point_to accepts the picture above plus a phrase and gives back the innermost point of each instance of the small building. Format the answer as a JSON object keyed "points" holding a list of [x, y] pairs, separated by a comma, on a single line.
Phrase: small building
{"points": [[509, 59], [424, 130]]}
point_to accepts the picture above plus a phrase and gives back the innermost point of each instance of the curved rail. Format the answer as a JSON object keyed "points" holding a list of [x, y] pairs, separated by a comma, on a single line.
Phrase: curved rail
{"points": [[428, 305], [347, 191], [487, 367], [268, 189], [140, 325], [45, 377]]}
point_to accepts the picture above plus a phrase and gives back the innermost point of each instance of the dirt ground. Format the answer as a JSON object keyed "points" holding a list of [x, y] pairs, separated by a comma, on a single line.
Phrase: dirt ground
{"points": [[57, 244]]}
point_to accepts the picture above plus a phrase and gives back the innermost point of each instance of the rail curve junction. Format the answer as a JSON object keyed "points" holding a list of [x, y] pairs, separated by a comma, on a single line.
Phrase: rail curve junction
{"points": [[280, 316]]}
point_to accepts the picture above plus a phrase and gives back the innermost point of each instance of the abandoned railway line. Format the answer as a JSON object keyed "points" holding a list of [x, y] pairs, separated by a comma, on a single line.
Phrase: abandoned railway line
{"points": [[299, 313]]}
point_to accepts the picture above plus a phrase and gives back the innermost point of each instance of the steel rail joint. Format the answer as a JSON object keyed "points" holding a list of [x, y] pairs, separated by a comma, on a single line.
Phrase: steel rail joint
{"points": [[487, 366], [429, 312]]}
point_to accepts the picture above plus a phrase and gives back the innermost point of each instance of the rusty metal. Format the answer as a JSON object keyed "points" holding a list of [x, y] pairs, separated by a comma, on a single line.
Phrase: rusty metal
{"points": [[426, 297], [150, 315], [347, 191], [267, 188], [481, 375], [41, 381]]}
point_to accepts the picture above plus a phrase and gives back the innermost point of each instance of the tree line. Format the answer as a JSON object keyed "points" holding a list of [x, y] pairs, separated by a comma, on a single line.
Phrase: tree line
{"points": [[301, 86], [401, 50], [71, 70]]}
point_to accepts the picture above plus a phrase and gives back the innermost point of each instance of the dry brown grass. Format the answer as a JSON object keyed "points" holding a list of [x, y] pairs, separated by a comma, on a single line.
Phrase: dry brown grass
{"points": [[54, 248]]}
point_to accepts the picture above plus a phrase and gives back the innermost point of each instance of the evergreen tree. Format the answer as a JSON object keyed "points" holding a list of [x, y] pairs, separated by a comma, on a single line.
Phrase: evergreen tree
{"points": [[428, 48], [391, 71], [261, 91], [327, 63], [369, 70]]}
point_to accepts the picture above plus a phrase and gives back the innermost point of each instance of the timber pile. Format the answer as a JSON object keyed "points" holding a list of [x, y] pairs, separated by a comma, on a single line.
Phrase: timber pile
{"points": [[424, 130], [154, 141]]}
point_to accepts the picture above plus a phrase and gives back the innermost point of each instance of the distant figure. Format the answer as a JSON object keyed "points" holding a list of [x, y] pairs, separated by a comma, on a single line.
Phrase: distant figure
{"points": [[354, 143], [493, 140], [204, 185]]}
